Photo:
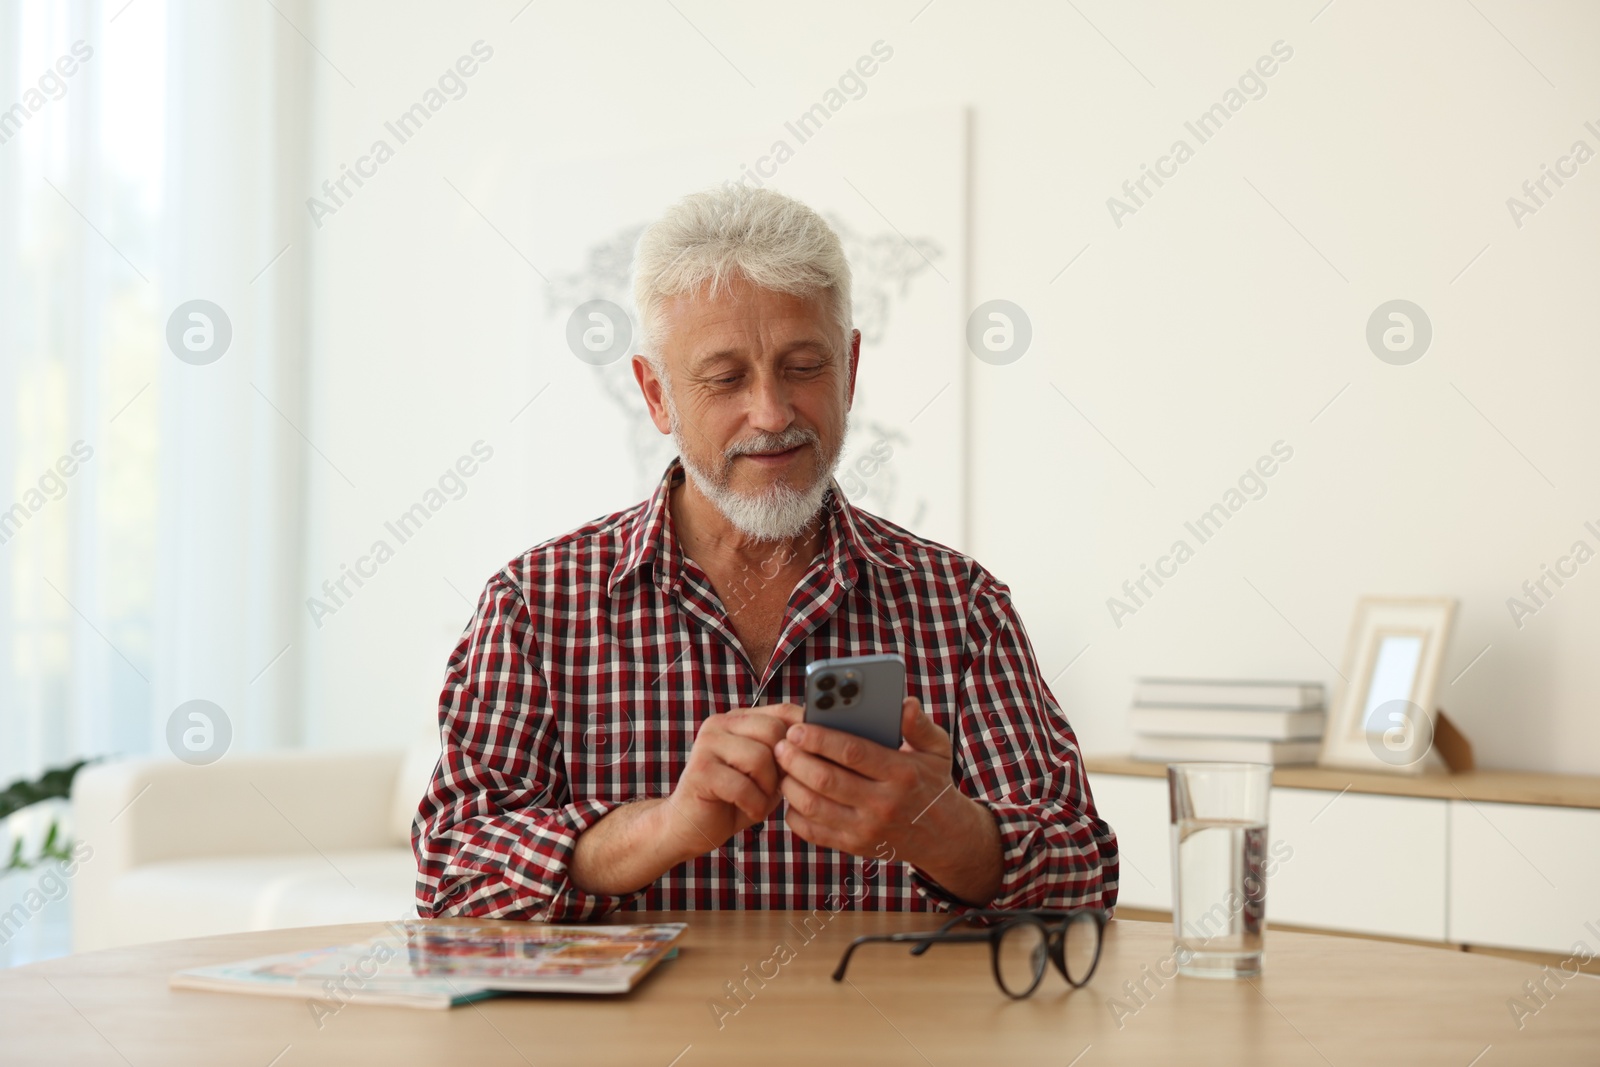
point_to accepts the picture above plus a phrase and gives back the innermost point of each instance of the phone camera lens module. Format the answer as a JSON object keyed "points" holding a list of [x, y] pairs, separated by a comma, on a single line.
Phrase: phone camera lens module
{"points": [[849, 690], [825, 701], [826, 682]]}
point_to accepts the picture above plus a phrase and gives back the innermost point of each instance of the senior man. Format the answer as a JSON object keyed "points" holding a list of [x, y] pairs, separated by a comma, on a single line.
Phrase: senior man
{"points": [[620, 721]]}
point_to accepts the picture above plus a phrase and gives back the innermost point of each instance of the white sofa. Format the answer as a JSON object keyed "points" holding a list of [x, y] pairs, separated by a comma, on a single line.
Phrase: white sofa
{"points": [[251, 842]]}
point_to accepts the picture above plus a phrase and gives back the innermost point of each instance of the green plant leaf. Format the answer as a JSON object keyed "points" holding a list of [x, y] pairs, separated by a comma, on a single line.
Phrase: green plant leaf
{"points": [[51, 785]]}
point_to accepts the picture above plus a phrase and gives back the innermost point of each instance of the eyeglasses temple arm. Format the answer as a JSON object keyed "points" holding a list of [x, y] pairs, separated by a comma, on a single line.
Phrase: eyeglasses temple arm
{"points": [[844, 961], [950, 937]]}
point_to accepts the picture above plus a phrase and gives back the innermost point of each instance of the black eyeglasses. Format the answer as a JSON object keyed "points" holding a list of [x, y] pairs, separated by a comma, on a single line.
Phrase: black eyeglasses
{"points": [[1021, 944]]}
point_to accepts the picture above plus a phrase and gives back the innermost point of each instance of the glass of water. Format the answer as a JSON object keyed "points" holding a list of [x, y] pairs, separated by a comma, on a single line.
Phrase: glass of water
{"points": [[1219, 881]]}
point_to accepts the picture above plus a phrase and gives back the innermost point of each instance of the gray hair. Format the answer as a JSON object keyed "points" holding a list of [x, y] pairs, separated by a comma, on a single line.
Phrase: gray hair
{"points": [[709, 239]]}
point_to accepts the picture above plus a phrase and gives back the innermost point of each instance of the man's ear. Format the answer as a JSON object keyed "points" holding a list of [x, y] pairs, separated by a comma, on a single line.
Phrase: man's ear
{"points": [[651, 385], [855, 358]]}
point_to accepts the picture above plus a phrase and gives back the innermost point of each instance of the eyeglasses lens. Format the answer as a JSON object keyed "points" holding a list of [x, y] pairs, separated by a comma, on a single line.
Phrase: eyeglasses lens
{"points": [[1082, 948], [1022, 957]]}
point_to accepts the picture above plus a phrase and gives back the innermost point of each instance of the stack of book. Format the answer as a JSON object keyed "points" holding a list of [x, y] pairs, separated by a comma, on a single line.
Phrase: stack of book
{"points": [[1177, 719]]}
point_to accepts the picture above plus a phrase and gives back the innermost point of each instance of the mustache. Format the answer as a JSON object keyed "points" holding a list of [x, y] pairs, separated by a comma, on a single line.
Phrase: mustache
{"points": [[773, 442]]}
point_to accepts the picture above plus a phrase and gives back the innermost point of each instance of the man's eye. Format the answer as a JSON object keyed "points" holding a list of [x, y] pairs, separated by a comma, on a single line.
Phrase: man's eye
{"points": [[732, 380], [808, 368]]}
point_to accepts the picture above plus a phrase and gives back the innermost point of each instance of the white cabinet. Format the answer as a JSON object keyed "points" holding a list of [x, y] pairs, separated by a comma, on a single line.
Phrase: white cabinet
{"points": [[1524, 875], [1428, 867], [1353, 862], [1359, 863], [1137, 810]]}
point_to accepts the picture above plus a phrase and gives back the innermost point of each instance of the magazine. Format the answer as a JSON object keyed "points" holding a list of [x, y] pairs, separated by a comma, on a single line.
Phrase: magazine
{"points": [[279, 976], [443, 964]]}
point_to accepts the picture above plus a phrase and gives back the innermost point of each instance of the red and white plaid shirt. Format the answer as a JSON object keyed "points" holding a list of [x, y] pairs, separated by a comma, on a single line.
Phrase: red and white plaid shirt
{"points": [[593, 659]]}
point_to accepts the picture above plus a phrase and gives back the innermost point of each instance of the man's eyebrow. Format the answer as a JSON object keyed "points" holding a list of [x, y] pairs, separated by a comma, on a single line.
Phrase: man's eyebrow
{"points": [[700, 362], [816, 344]]}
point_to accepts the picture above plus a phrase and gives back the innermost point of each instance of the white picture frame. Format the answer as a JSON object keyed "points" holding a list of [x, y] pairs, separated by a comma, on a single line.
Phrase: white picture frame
{"points": [[1383, 716]]}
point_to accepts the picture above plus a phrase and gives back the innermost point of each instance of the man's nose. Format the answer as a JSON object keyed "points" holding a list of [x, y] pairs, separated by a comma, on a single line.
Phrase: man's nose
{"points": [[770, 407]]}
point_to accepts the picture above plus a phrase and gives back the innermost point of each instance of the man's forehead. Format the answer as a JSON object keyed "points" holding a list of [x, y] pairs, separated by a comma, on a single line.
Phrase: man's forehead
{"points": [[701, 327]]}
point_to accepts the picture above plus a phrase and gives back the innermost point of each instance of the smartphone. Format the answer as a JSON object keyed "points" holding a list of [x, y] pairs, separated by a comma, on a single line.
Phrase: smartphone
{"points": [[859, 695]]}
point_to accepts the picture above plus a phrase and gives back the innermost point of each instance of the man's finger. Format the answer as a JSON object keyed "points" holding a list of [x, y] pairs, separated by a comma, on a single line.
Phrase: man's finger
{"points": [[816, 807], [919, 732], [731, 786], [805, 829], [756, 723], [751, 757], [772, 804], [788, 713], [820, 775], [847, 750]]}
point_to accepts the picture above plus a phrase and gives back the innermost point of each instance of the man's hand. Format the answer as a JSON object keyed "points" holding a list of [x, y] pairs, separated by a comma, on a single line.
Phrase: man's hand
{"points": [[729, 783], [731, 780], [851, 794]]}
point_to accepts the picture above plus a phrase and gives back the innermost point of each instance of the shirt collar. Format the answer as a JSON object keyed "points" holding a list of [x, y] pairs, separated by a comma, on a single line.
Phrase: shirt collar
{"points": [[648, 537]]}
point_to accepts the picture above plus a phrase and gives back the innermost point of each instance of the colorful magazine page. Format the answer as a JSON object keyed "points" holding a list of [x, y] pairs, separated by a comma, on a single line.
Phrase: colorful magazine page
{"points": [[530, 958], [280, 976]]}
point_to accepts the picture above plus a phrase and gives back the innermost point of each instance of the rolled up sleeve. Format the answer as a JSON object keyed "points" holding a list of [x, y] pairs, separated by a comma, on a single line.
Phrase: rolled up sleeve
{"points": [[498, 825], [1016, 755]]}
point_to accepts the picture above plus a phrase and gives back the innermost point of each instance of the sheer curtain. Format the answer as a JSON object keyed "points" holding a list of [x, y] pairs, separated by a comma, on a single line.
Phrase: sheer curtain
{"points": [[81, 173], [150, 506]]}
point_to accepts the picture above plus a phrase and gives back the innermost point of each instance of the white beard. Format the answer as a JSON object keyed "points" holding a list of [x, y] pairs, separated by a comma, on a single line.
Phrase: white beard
{"points": [[778, 513]]}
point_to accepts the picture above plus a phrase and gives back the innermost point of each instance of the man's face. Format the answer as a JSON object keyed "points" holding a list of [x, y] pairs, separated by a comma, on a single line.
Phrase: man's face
{"points": [[757, 399]]}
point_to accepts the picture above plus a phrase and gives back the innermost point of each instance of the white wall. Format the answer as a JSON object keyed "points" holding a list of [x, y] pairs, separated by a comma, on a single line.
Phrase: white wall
{"points": [[1193, 337]]}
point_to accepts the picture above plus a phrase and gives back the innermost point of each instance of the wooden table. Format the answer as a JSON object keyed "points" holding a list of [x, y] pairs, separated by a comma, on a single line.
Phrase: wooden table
{"points": [[1322, 1000]]}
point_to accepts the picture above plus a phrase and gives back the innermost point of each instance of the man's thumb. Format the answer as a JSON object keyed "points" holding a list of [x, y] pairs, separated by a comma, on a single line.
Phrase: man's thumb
{"points": [[918, 729]]}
